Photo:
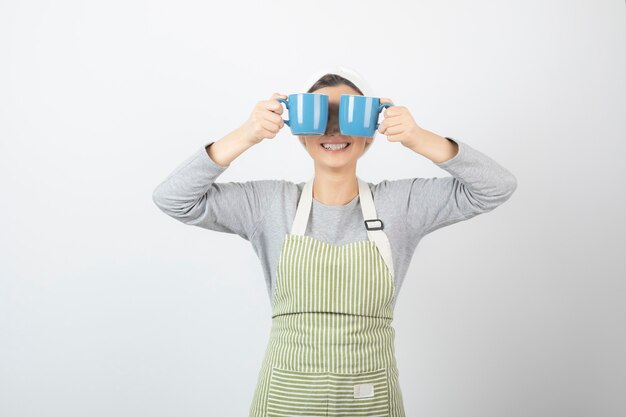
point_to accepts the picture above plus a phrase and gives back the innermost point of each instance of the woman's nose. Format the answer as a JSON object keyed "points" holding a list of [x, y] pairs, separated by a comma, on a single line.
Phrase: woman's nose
{"points": [[332, 129], [333, 125]]}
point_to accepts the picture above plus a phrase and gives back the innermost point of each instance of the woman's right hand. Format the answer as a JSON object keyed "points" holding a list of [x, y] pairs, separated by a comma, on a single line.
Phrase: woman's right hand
{"points": [[266, 119]]}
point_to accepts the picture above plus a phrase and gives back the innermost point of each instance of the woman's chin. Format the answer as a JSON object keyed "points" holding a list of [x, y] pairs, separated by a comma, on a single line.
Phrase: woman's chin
{"points": [[335, 161]]}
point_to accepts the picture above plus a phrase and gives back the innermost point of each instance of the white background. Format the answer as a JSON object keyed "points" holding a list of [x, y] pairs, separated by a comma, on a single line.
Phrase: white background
{"points": [[110, 308]]}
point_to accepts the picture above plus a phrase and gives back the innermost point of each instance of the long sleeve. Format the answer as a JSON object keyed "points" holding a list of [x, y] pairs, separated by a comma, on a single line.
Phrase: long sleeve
{"points": [[478, 185], [191, 195]]}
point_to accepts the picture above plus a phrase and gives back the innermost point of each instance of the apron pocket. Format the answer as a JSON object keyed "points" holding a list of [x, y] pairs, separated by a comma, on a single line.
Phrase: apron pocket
{"points": [[296, 394], [363, 394], [320, 394]]}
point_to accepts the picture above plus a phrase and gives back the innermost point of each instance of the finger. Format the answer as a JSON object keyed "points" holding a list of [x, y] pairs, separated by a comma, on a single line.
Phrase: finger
{"points": [[392, 121], [278, 95], [394, 130], [273, 117], [393, 111], [269, 126], [273, 105], [386, 100]]}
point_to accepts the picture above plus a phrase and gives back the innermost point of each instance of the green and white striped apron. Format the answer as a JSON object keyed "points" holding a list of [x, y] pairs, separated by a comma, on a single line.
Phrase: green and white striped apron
{"points": [[331, 347]]}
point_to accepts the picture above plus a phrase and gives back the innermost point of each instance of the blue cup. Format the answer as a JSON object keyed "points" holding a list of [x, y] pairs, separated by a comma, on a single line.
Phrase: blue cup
{"points": [[358, 115], [308, 113]]}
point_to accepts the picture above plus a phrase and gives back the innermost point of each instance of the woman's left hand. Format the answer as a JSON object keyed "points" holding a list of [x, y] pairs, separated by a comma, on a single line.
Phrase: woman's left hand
{"points": [[399, 125]]}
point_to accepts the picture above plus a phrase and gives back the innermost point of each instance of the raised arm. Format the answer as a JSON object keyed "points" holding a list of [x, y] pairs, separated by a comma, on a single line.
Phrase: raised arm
{"points": [[478, 183], [190, 193]]}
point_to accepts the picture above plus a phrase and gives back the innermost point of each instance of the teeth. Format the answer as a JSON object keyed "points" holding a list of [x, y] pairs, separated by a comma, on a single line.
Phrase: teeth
{"points": [[334, 146]]}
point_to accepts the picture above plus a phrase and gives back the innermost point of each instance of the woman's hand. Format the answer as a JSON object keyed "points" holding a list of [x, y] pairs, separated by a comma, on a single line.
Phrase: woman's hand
{"points": [[399, 125], [265, 120]]}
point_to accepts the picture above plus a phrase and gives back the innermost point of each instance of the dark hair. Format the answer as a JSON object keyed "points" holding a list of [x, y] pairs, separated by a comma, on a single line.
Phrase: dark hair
{"points": [[331, 80]]}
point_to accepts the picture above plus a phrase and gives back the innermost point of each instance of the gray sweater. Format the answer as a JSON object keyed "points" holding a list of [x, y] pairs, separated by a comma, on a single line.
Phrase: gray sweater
{"points": [[262, 211]]}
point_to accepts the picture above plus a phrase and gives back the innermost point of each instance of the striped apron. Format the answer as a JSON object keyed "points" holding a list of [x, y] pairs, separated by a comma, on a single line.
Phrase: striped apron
{"points": [[331, 347]]}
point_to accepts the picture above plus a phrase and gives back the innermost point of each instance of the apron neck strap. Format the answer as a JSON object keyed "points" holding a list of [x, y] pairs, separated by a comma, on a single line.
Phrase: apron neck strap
{"points": [[373, 225]]}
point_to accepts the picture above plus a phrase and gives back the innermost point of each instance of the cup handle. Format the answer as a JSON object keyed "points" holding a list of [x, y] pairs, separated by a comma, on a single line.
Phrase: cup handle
{"points": [[380, 108], [282, 100]]}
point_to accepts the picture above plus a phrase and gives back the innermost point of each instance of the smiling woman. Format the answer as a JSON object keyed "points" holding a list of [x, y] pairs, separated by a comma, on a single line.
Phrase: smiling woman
{"points": [[336, 85], [334, 249], [335, 155]]}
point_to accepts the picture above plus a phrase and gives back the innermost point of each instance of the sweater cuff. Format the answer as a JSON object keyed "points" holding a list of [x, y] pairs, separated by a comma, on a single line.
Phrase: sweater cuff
{"points": [[210, 162], [460, 155]]}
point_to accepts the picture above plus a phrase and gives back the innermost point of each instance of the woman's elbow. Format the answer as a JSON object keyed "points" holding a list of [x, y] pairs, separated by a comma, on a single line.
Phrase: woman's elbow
{"points": [[166, 204], [510, 185]]}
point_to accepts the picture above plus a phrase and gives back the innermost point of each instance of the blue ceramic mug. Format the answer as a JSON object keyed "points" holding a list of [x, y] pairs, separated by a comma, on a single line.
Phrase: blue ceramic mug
{"points": [[308, 113], [358, 115]]}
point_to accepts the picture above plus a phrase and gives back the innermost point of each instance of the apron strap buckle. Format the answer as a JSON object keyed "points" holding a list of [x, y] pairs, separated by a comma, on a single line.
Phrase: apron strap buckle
{"points": [[367, 226]]}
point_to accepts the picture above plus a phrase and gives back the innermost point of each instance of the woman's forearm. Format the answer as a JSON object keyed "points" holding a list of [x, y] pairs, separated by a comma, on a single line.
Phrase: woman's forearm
{"points": [[225, 150], [435, 147]]}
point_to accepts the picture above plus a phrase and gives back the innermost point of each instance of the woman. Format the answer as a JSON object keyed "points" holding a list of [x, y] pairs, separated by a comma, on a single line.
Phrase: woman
{"points": [[334, 249]]}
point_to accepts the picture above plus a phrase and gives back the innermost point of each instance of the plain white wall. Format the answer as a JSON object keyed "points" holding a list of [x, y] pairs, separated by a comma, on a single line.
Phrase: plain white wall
{"points": [[109, 307]]}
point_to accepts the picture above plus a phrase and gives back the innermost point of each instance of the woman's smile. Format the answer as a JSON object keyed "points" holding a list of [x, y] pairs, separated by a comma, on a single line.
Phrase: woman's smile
{"points": [[335, 147]]}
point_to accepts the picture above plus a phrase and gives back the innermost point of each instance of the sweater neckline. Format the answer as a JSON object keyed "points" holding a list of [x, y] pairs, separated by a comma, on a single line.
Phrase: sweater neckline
{"points": [[352, 203]]}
